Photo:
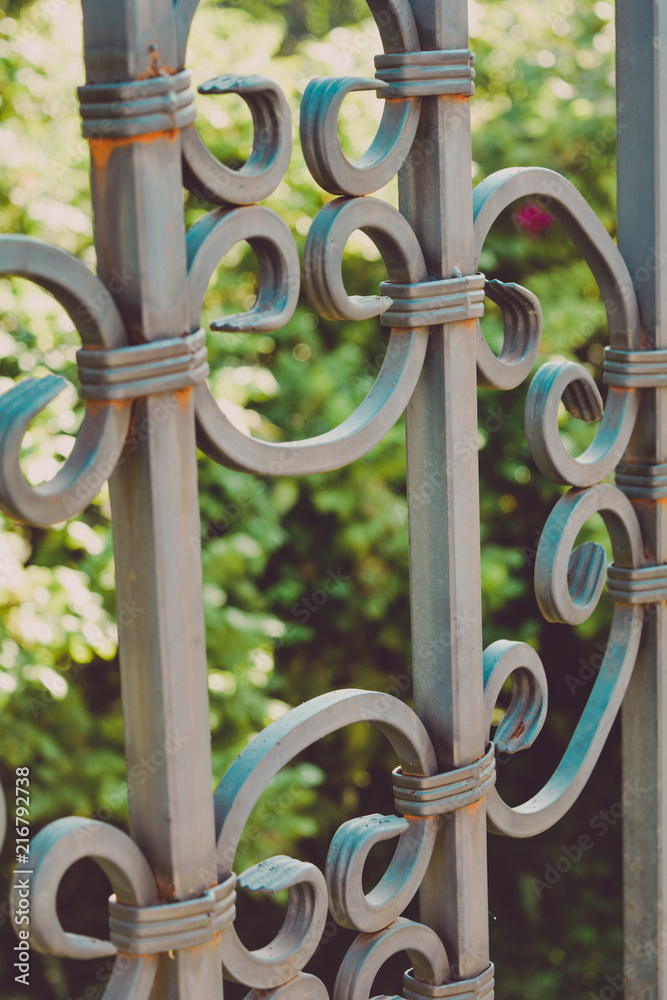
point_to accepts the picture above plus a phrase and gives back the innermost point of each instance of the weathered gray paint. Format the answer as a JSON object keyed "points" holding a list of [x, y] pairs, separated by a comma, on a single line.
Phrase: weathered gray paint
{"points": [[642, 231], [142, 370]]}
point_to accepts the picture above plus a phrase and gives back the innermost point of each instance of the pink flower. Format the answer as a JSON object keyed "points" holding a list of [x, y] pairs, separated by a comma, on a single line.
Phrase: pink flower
{"points": [[532, 219]]}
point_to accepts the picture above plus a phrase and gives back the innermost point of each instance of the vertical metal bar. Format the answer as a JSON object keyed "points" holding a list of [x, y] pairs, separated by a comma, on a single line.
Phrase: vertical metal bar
{"points": [[140, 241], [642, 229], [435, 194]]}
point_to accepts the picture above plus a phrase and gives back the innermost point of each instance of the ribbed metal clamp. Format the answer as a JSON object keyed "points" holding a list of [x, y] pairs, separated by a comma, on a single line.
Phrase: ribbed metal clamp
{"points": [[647, 585], [635, 369], [480, 988], [428, 303], [426, 74], [415, 795], [642, 482], [151, 930], [139, 107], [143, 369]]}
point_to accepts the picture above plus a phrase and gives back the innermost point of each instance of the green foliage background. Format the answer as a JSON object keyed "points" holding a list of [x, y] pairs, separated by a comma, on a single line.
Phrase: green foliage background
{"points": [[544, 96]]}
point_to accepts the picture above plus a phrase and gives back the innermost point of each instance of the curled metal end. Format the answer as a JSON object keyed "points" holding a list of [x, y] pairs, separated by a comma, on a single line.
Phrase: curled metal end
{"points": [[568, 584], [302, 987], [586, 574], [323, 256], [230, 83], [582, 399], [318, 124], [55, 849], [209, 179], [94, 456], [274, 246], [369, 952], [300, 934], [523, 720], [350, 847], [270, 239], [276, 874], [522, 334], [573, 384], [102, 434]]}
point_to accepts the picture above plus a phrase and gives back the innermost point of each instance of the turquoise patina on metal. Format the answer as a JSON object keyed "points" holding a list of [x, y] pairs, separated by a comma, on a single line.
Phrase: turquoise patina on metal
{"points": [[143, 376]]}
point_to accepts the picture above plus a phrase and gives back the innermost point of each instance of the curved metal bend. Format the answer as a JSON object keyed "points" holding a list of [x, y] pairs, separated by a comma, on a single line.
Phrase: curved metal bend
{"points": [[100, 439], [251, 773], [490, 198], [203, 174], [209, 179], [320, 106], [302, 987], [217, 436], [568, 586], [55, 849], [369, 952], [348, 852], [318, 123]]}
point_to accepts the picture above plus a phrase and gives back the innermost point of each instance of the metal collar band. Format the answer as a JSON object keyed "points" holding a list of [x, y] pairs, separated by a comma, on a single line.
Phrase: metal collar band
{"points": [[139, 107], [143, 369], [426, 74], [151, 930]]}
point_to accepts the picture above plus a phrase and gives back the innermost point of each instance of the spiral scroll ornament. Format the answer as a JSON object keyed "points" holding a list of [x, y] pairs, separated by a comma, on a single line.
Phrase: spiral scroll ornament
{"points": [[431, 306], [568, 583]]}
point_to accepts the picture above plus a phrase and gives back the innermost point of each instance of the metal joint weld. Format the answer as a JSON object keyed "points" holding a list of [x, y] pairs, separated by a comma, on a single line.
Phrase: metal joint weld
{"points": [[138, 107], [642, 482], [635, 369], [143, 369], [429, 303], [416, 795], [444, 72], [152, 930], [479, 988], [646, 585]]}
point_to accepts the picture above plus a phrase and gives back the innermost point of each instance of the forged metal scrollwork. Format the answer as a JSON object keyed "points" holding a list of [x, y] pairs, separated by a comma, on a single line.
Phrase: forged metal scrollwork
{"points": [[302, 987], [213, 236], [321, 104], [490, 198], [100, 439], [217, 435], [210, 179], [347, 856], [141, 928], [209, 239], [522, 321], [568, 586], [369, 952], [414, 301], [238, 792], [52, 852]]}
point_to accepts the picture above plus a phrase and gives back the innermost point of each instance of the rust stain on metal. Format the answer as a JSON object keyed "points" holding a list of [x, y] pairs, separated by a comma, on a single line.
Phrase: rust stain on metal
{"points": [[519, 729], [101, 149], [166, 891], [156, 68], [183, 396]]}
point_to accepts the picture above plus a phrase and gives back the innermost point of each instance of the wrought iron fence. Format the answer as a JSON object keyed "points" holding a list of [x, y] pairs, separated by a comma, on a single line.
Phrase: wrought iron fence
{"points": [[142, 371]]}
